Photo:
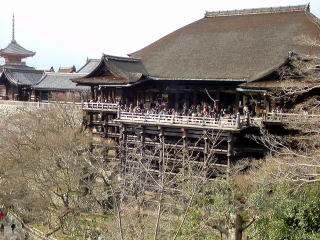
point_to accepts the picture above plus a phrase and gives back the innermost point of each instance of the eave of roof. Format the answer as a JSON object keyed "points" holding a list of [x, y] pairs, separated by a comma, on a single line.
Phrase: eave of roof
{"points": [[28, 77], [14, 49], [197, 79]]}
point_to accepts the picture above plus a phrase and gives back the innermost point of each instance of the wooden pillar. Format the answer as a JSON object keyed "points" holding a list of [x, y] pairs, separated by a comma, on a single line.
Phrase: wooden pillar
{"points": [[218, 91], [185, 144], [230, 149], [105, 125], [90, 118], [194, 98], [122, 147], [142, 139], [162, 147], [92, 92], [236, 107], [176, 101], [142, 136], [245, 100], [205, 151]]}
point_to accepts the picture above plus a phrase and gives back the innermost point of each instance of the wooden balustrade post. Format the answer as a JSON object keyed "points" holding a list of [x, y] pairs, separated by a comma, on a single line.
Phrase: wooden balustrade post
{"points": [[238, 121], [119, 112]]}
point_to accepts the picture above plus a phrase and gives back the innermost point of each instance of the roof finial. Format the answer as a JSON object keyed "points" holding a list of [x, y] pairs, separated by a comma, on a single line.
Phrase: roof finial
{"points": [[13, 27]]}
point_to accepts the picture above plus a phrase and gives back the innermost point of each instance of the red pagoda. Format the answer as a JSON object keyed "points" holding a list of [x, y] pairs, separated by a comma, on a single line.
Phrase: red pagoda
{"points": [[14, 53]]}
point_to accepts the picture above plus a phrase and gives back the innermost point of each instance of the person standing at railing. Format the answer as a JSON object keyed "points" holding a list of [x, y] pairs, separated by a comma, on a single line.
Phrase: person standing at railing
{"points": [[2, 229]]}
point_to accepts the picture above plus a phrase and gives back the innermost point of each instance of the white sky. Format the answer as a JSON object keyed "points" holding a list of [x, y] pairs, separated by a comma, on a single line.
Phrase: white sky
{"points": [[66, 32]]}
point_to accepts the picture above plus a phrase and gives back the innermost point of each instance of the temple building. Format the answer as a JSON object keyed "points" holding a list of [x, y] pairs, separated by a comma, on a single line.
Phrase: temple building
{"points": [[16, 78], [57, 86], [205, 79], [227, 56]]}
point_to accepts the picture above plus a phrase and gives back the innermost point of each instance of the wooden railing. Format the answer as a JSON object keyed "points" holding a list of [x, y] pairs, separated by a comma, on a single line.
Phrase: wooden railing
{"points": [[100, 106], [233, 123], [291, 117]]}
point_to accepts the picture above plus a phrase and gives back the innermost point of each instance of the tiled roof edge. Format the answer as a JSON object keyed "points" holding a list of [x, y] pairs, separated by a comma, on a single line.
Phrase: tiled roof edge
{"points": [[297, 8], [118, 58]]}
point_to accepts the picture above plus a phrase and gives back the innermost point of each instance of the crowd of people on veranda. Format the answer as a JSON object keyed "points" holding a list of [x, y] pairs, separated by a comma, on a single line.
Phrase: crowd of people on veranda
{"points": [[214, 109]]}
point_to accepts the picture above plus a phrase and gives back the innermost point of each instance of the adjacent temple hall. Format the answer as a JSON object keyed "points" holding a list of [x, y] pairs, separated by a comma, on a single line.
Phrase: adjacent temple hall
{"points": [[203, 79]]}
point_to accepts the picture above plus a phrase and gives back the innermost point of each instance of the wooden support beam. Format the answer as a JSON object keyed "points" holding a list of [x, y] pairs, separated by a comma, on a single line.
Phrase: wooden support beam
{"points": [[185, 144], [230, 153]]}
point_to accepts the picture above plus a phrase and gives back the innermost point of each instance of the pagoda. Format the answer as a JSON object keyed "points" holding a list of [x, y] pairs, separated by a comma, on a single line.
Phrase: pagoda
{"points": [[16, 78], [14, 53]]}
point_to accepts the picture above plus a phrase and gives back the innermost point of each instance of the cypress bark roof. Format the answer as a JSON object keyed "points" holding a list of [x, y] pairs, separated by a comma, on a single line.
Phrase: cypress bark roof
{"points": [[230, 45]]}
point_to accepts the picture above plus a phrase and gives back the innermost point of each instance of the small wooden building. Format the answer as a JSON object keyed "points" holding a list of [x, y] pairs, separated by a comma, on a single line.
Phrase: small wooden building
{"points": [[59, 87]]}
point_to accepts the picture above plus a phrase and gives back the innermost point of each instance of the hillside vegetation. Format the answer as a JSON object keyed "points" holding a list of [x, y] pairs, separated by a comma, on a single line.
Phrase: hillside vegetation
{"points": [[54, 179]]}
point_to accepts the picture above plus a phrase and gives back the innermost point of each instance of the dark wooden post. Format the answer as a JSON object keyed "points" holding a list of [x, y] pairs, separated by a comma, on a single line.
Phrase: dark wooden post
{"points": [[230, 149], [161, 156], [142, 139], [185, 144], [92, 92], [205, 157], [122, 149], [237, 102], [105, 124]]}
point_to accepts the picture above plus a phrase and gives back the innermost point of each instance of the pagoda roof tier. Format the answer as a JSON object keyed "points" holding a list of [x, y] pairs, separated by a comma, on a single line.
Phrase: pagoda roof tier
{"points": [[14, 49]]}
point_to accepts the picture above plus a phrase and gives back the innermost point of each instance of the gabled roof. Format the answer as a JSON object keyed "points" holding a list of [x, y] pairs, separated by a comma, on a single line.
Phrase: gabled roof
{"points": [[23, 77], [59, 82], [114, 70], [90, 65], [71, 69], [15, 49], [231, 45]]}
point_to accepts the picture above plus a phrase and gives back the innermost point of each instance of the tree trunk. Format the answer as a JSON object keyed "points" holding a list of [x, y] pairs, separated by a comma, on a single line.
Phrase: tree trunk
{"points": [[235, 232]]}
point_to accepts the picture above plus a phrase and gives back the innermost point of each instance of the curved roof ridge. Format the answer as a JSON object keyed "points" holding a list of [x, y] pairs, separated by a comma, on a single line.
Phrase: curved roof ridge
{"points": [[9, 76], [304, 8], [118, 58], [63, 73]]}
